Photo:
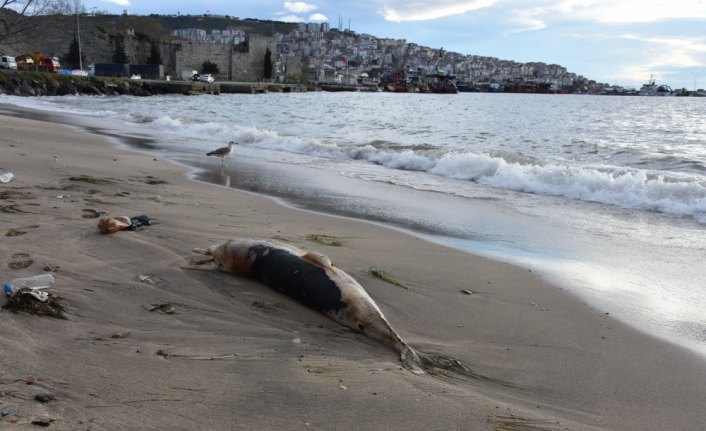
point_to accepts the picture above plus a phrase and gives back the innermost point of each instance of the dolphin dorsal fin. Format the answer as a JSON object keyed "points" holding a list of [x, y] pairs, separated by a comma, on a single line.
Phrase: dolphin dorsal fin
{"points": [[318, 259]]}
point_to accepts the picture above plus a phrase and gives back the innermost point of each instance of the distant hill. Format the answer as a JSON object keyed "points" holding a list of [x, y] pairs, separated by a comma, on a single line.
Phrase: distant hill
{"points": [[160, 25], [219, 22]]}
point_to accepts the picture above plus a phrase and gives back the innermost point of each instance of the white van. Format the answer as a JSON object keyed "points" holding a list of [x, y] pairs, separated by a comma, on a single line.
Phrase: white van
{"points": [[7, 62]]}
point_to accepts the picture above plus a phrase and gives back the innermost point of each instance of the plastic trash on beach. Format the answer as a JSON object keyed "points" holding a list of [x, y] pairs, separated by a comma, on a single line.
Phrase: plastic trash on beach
{"points": [[7, 177], [138, 221], [28, 295], [146, 279], [41, 281], [4, 299], [114, 224], [32, 285], [118, 223]]}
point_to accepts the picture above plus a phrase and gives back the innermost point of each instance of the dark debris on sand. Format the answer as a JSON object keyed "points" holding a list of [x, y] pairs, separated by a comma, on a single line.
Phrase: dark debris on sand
{"points": [[21, 300]]}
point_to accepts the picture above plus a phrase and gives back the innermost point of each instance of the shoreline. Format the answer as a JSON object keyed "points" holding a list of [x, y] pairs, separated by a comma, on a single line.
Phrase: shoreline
{"points": [[31, 84], [577, 368]]}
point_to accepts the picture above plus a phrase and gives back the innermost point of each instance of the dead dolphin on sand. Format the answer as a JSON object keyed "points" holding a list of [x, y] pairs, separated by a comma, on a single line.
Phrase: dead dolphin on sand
{"points": [[311, 279]]}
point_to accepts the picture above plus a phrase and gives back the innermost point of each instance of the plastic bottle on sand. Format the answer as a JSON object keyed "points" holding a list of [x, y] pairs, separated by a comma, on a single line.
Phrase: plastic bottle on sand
{"points": [[34, 284], [6, 177], [41, 281], [6, 297]]}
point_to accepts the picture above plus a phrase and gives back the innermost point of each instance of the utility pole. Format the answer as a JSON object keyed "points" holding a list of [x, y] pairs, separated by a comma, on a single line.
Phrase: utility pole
{"points": [[78, 39]]}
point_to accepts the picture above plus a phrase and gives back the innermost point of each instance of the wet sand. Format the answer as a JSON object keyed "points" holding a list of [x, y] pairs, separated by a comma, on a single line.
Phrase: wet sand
{"points": [[184, 349]]}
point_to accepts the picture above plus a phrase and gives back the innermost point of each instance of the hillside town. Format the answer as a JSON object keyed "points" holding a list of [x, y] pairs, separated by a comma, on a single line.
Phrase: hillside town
{"points": [[230, 49], [326, 55], [345, 57]]}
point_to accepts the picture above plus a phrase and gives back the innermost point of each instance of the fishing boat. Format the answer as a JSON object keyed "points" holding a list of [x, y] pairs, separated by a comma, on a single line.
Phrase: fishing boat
{"points": [[438, 83], [433, 81], [398, 83], [652, 89]]}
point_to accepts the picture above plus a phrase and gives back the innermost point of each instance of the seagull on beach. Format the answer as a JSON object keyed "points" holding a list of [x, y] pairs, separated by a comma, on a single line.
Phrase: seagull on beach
{"points": [[223, 152]]}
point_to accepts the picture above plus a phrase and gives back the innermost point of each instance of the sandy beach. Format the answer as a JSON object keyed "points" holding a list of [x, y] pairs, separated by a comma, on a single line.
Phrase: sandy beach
{"points": [[149, 345]]}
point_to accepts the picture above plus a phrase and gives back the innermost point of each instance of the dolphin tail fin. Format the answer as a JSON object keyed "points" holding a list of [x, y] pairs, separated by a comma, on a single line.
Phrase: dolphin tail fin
{"points": [[448, 368], [442, 366], [200, 261], [411, 360]]}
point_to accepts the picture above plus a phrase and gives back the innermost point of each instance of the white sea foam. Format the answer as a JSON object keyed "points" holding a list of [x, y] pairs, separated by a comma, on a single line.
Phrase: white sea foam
{"points": [[632, 188], [671, 193], [680, 194], [653, 190]]}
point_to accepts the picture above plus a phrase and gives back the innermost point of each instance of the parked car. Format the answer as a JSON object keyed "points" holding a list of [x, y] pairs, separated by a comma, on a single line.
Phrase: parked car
{"points": [[49, 64], [206, 77], [25, 62], [189, 75], [7, 62]]}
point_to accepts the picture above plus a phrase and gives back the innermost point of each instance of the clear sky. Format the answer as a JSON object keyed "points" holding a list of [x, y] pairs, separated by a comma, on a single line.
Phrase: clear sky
{"points": [[622, 42]]}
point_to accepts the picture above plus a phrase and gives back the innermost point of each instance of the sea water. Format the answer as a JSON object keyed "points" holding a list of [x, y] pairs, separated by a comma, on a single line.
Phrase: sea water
{"points": [[605, 196]]}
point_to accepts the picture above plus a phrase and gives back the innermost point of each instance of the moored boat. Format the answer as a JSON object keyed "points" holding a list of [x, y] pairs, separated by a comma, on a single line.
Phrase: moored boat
{"points": [[652, 89], [438, 83]]}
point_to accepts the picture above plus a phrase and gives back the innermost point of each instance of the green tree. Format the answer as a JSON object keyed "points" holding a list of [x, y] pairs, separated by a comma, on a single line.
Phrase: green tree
{"points": [[119, 55], [209, 67], [155, 56], [71, 58], [268, 64]]}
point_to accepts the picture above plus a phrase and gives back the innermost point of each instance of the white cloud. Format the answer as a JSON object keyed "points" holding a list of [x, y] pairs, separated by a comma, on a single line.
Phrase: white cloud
{"points": [[528, 20], [318, 17], [428, 10], [673, 51], [638, 74], [661, 57], [633, 11], [118, 2], [299, 7], [290, 18], [605, 11], [535, 12]]}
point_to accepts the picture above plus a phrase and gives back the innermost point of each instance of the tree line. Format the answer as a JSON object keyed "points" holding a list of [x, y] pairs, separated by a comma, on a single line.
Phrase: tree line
{"points": [[19, 16]]}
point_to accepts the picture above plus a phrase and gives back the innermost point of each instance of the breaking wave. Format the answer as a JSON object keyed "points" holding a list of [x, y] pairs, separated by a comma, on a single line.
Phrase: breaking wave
{"points": [[667, 184], [653, 190]]}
